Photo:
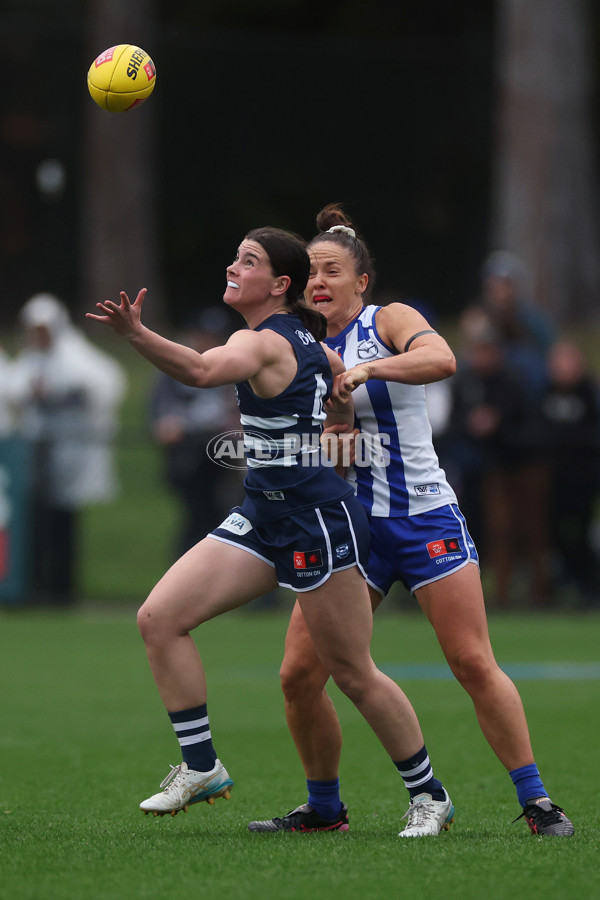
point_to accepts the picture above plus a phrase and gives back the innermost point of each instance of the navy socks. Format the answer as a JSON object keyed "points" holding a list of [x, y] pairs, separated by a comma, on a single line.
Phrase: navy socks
{"points": [[417, 774], [193, 733]]}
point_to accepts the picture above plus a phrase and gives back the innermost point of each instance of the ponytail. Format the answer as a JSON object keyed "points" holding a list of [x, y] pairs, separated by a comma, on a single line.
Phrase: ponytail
{"points": [[312, 319]]}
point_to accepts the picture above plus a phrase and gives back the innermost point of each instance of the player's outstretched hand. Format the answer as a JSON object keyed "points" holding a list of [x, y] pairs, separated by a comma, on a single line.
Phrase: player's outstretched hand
{"points": [[125, 317]]}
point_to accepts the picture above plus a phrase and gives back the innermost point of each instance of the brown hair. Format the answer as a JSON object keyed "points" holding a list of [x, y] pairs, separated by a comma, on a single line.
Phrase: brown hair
{"points": [[331, 215]]}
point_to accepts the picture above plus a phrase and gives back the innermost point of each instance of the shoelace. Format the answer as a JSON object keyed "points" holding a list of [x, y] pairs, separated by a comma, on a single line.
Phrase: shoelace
{"points": [[545, 816], [293, 816], [419, 813], [175, 770]]}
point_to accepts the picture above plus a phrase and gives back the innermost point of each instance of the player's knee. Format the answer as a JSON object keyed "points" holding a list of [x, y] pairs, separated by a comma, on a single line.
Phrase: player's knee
{"points": [[145, 624], [472, 668], [350, 681], [151, 625], [301, 681]]}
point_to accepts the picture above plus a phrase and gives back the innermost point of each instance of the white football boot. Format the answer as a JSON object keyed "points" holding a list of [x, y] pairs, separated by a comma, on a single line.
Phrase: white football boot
{"points": [[184, 786], [426, 816]]}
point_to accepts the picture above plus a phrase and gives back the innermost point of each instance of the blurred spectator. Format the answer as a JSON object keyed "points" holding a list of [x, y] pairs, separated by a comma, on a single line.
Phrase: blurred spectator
{"points": [[6, 411], [66, 394], [570, 413], [438, 394], [438, 397], [184, 419], [498, 474], [525, 329]]}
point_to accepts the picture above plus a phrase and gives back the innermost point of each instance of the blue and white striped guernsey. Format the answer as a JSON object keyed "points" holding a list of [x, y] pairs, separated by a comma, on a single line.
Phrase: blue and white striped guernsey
{"points": [[281, 434], [397, 473]]}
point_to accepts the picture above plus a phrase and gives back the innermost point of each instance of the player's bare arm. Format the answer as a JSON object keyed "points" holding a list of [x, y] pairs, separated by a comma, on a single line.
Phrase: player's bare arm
{"points": [[423, 355], [243, 357]]}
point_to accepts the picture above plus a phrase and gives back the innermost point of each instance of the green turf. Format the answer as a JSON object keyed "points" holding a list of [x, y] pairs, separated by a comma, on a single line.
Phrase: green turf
{"points": [[84, 738]]}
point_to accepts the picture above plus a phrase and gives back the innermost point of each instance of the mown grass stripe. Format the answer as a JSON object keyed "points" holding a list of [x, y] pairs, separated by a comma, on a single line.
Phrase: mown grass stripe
{"points": [[539, 671], [564, 671]]}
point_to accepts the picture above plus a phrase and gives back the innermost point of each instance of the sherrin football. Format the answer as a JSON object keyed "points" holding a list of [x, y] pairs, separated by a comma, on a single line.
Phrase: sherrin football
{"points": [[122, 77]]}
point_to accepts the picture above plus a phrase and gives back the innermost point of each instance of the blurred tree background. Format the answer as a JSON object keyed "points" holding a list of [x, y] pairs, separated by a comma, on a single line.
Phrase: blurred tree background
{"points": [[447, 129]]}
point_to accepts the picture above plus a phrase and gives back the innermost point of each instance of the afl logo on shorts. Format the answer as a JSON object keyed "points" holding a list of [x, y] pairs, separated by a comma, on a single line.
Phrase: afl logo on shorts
{"points": [[443, 548], [309, 559]]}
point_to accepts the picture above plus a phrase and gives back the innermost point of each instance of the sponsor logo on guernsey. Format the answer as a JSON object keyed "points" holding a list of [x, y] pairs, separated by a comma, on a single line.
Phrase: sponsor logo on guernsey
{"points": [[237, 524], [422, 490], [444, 547], [307, 559], [306, 337], [342, 551], [274, 495], [366, 349]]}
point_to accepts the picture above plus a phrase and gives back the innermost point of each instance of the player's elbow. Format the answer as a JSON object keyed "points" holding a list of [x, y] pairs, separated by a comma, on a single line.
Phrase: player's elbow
{"points": [[447, 364], [200, 377]]}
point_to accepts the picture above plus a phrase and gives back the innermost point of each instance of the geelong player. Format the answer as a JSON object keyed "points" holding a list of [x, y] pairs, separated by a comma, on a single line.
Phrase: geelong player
{"points": [[418, 537], [300, 524]]}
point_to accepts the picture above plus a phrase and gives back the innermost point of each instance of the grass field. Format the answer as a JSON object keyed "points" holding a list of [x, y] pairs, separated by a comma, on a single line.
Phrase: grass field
{"points": [[84, 738]]}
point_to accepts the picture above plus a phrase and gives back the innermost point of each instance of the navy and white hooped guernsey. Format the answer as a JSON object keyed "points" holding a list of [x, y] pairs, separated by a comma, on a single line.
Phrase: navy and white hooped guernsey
{"points": [[286, 470], [397, 471]]}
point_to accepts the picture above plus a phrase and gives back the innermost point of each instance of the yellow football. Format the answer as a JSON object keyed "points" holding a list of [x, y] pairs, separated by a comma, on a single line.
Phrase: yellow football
{"points": [[122, 77]]}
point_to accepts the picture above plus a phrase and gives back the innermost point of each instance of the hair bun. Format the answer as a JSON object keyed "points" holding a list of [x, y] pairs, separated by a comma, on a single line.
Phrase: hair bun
{"points": [[343, 228]]}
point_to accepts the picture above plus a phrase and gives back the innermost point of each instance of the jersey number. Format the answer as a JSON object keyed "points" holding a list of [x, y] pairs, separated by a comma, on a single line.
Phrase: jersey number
{"points": [[318, 413]]}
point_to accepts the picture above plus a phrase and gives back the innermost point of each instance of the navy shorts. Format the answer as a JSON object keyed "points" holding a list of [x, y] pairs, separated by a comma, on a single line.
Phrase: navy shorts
{"points": [[417, 550], [307, 546]]}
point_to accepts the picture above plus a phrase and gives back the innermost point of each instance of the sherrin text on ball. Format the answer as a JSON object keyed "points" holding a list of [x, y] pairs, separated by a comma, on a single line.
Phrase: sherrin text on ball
{"points": [[122, 77]]}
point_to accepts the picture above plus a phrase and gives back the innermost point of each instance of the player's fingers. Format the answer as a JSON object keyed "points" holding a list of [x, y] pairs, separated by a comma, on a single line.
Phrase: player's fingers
{"points": [[335, 429], [345, 386], [353, 378], [140, 297], [104, 308], [94, 316], [339, 389]]}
